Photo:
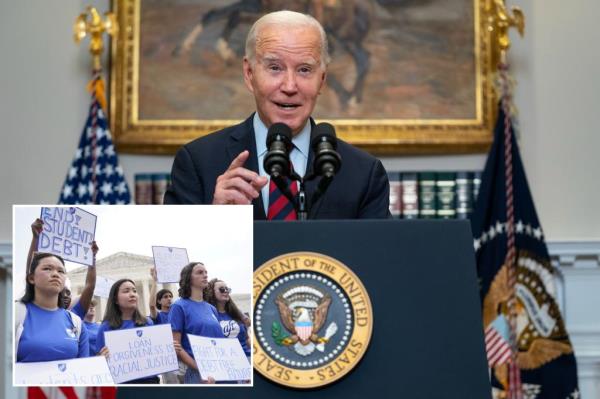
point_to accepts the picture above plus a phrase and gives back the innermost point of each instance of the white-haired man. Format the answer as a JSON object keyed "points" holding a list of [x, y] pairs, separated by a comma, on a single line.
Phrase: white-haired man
{"points": [[285, 68]]}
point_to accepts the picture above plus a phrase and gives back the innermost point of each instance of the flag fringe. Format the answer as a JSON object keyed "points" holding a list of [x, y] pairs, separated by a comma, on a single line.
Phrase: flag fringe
{"points": [[97, 88]]}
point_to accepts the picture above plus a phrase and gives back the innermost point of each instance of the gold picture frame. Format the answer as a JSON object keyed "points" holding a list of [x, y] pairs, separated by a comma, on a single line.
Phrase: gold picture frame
{"points": [[141, 114]]}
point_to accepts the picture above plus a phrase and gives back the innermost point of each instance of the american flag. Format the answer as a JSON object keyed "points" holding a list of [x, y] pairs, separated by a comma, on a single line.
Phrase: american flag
{"points": [[497, 344], [71, 393], [95, 176]]}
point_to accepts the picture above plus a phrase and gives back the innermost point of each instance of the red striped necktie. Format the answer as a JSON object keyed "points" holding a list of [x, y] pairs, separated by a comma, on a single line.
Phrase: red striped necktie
{"points": [[280, 207]]}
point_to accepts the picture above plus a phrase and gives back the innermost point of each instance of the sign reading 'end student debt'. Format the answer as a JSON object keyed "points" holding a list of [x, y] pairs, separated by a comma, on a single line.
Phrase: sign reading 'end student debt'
{"points": [[169, 261], [140, 352], [220, 358], [68, 232]]}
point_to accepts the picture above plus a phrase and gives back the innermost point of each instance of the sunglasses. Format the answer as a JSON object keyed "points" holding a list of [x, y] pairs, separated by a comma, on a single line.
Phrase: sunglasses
{"points": [[224, 290]]}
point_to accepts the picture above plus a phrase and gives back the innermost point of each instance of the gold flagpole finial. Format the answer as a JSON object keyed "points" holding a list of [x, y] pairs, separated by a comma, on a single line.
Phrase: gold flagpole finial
{"points": [[91, 23], [499, 22]]}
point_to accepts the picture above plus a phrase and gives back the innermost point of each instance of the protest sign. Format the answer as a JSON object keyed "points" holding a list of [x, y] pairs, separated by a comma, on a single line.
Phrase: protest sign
{"points": [[220, 358], [90, 371], [103, 285], [68, 232], [140, 352], [169, 261]]}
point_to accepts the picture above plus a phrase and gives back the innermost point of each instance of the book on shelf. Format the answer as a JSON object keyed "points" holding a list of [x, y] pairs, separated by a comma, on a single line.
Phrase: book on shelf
{"points": [[160, 182], [464, 195], [410, 195], [445, 185], [427, 195], [143, 188], [433, 194], [150, 188], [395, 194]]}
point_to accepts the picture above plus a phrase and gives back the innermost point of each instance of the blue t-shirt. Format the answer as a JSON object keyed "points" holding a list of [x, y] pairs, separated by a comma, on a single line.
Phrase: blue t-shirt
{"points": [[196, 318], [233, 329], [161, 318], [100, 343], [50, 335], [92, 329], [78, 310]]}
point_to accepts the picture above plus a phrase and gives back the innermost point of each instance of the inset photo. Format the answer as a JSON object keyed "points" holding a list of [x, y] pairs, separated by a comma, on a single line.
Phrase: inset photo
{"points": [[109, 295]]}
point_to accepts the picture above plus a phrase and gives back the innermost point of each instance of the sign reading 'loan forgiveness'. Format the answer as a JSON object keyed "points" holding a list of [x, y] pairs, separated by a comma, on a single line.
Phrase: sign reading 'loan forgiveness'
{"points": [[140, 352]]}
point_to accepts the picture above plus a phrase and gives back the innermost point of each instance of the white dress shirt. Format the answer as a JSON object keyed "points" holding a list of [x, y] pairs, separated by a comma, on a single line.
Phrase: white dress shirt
{"points": [[298, 155]]}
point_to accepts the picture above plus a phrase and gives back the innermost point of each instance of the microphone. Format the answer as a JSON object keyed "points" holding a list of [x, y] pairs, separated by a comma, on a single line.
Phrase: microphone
{"points": [[327, 160], [279, 144]]}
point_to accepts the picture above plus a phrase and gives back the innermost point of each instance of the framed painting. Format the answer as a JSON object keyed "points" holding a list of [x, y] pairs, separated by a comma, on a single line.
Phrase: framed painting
{"points": [[406, 77]]}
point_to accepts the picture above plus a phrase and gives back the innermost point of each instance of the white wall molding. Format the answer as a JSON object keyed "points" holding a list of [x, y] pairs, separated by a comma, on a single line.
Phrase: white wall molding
{"points": [[578, 280], [575, 254]]}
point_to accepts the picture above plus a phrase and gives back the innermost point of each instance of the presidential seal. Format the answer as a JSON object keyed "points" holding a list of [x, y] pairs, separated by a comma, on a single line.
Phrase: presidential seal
{"points": [[312, 320]]}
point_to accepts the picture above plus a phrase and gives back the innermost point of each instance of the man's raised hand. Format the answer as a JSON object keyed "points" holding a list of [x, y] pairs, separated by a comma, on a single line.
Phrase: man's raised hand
{"points": [[238, 185]]}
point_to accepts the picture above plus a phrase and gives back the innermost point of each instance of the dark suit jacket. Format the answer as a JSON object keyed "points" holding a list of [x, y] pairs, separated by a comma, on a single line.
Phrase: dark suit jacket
{"points": [[359, 190]]}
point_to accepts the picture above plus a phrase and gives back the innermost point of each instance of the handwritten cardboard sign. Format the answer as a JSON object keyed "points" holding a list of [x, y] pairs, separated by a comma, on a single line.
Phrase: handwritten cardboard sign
{"points": [[103, 285], [140, 352], [220, 358], [89, 371], [68, 232], [169, 261]]}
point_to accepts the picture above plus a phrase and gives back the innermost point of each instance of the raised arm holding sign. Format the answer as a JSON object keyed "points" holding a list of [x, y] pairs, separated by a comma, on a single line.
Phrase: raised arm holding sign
{"points": [[37, 230], [85, 298]]}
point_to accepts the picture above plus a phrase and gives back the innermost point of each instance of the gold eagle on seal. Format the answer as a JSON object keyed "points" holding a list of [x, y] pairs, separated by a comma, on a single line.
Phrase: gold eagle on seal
{"points": [[301, 323]]}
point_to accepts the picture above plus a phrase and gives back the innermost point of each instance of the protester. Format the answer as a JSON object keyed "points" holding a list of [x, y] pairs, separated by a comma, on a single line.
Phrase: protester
{"points": [[190, 314], [160, 300], [67, 295], [91, 326], [122, 313], [44, 330], [232, 320]]}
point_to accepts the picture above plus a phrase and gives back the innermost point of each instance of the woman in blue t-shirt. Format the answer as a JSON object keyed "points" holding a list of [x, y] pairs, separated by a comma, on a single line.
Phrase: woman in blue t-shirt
{"points": [[44, 330], [122, 313], [190, 314], [160, 302], [232, 320]]}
